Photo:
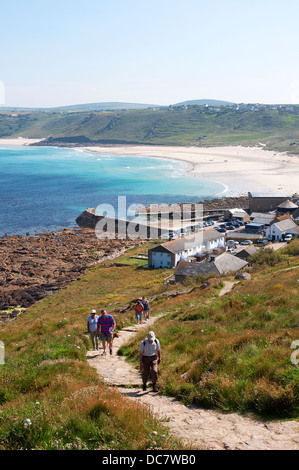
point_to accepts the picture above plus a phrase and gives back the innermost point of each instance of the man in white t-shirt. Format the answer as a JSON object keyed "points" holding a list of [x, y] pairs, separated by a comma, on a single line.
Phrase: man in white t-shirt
{"points": [[149, 358], [92, 325]]}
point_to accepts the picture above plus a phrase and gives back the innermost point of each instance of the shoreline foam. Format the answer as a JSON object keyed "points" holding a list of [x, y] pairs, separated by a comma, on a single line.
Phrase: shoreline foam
{"points": [[239, 169]]}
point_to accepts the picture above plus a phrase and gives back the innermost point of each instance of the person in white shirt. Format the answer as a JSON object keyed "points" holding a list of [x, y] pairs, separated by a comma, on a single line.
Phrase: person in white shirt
{"points": [[149, 358], [92, 324]]}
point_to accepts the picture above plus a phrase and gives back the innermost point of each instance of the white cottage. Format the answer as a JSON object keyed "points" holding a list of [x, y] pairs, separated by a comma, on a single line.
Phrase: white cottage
{"points": [[278, 230], [168, 254]]}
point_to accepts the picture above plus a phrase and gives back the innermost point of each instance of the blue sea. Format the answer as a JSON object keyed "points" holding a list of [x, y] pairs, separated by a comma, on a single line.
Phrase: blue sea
{"points": [[46, 188]]}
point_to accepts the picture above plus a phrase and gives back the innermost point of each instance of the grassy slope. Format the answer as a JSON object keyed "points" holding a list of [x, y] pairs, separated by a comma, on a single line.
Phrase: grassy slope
{"points": [[278, 129], [234, 351], [46, 378]]}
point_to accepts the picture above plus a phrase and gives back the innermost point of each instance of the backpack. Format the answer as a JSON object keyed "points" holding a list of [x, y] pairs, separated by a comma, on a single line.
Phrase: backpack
{"points": [[139, 308], [155, 340]]}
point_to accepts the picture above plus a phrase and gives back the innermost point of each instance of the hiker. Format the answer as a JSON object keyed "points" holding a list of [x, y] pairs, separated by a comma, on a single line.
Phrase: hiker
{"points": [[92, 327], [145, 308], [139, 311], [149, 358], [106, 325]]}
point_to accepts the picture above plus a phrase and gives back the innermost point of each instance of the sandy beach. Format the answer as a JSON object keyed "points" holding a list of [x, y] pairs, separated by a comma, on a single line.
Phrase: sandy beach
{"points": [[239, 169], [19, 141]]}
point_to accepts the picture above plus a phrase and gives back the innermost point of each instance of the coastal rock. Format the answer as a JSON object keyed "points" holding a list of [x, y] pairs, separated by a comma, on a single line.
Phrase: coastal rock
{"points": [[88, 219], [210, 282], [33, 267], [243, 276]]}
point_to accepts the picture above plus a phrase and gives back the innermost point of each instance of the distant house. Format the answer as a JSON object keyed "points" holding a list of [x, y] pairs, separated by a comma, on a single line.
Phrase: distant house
{"points": [[265, 202], [278, 230], [287, 207], [185, 269], [247, 251], [262, 218], [168, 254], [222, 264], [254, 228], [239, 214]]}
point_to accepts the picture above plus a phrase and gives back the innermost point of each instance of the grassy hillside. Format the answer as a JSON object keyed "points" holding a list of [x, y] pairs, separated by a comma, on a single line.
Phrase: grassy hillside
{"points": [[102, 106], [46, 378], [195, 125], [231, 353]]}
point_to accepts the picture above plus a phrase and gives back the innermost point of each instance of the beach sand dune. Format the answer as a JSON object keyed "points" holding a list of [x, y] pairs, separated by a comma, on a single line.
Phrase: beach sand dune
{"points": [[19, 141]]}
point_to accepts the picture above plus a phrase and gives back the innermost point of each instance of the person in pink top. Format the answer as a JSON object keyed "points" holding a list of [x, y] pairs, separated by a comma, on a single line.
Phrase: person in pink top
{"points": [[106, 326]]}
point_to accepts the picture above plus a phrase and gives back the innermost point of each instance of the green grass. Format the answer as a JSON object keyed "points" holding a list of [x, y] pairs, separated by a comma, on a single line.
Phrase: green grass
{"points": [[45, 362], [233, 353]]}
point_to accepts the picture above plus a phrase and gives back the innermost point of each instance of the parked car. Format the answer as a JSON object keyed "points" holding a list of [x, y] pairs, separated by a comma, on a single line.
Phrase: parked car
{"points": [[172, 234], [231, 250], [246, 242], [230, 242], [288, 237], [222, 230], [263, 241]]}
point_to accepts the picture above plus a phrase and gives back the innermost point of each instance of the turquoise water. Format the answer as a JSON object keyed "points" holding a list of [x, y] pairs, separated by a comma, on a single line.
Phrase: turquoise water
{"points": [[46, 188]]}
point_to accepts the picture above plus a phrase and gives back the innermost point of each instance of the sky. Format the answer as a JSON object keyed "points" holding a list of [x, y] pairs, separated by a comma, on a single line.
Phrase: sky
{"points": [[63, 52]]}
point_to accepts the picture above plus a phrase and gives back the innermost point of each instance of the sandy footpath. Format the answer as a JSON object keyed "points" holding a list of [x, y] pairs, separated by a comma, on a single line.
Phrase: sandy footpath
{"points": [[239, 169]]}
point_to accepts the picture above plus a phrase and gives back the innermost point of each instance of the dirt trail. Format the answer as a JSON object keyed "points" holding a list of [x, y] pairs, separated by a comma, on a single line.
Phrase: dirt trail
{"points": [[228, 286], [203, 429]]}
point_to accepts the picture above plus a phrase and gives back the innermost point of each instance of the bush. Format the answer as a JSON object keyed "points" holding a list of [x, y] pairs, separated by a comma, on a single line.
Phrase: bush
{"points": [[292, 249], [265, 256]]}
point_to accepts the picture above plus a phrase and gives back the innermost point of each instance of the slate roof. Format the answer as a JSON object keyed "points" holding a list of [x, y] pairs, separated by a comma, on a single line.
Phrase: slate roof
{"points": [[227, 262], [268, 195], [242, 236], [287, 205], [250, 250], [197, 238], [287, 224], [194, 269], [222, 264], [262, 220], [261, 215]]}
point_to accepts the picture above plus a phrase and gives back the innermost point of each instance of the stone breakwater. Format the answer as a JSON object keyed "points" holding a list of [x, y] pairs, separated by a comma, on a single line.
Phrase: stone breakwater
{"points": [[33, 267]]}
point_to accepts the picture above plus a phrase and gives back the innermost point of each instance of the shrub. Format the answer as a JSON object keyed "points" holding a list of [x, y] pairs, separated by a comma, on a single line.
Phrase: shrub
{"points": [[265, 256]]}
